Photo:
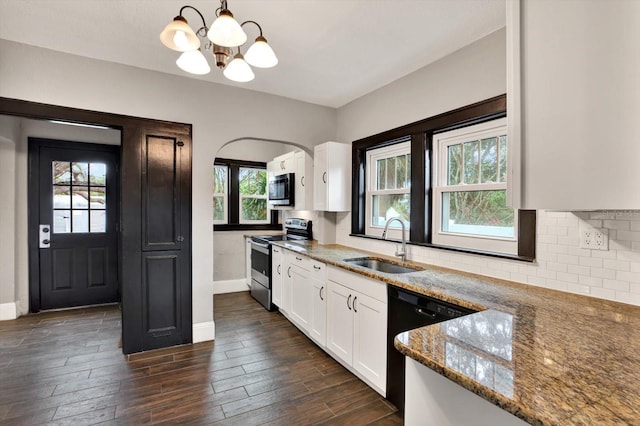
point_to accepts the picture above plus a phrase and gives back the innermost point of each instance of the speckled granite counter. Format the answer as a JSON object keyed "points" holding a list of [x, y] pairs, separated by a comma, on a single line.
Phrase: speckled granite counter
{"points": [[545, 356]]}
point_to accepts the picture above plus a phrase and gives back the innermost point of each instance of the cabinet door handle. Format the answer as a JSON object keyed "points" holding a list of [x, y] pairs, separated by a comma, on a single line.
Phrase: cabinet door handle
{"points": [[324, 177], [321, 288], [302, 181], [298, 258], [289, 271], [317, 268], [278, 269], [348, 300], [276, 250], [354, 304]]}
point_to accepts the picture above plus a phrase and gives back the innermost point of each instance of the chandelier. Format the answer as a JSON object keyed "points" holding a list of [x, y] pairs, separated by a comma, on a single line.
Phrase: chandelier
{"points": [[223, 37]]}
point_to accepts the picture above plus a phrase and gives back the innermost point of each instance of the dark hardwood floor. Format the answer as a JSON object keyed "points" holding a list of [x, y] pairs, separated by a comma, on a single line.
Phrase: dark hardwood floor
{"points": [[65, 368]]}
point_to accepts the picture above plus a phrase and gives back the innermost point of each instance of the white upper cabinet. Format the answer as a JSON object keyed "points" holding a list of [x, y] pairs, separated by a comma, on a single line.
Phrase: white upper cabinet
{"points": [[580, 100], [284, 163], [332, 177], [304, 180]]}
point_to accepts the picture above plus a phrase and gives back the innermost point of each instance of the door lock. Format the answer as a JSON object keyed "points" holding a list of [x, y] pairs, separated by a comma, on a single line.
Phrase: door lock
{"points": [[44, 237]]}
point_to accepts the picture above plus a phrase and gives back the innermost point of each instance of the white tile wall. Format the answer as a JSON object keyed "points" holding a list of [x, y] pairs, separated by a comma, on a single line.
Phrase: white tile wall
{"points": [[561, 264]]}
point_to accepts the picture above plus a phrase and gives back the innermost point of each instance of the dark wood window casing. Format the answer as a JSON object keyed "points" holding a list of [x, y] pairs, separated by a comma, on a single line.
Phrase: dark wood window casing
{"points": [[421, 135], [233, 198]]}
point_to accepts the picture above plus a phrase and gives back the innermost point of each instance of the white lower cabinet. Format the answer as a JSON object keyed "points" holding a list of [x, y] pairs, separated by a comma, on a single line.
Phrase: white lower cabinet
{"points": [[343, 312], [357, 325]]}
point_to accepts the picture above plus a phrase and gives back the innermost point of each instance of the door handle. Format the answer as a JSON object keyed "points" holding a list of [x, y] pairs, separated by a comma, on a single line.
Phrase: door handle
{"points": [[302, 181], [278, 269], [324, 177], [354, 304], [44, 236], [289, 271], [321, 288], [348, 300]]}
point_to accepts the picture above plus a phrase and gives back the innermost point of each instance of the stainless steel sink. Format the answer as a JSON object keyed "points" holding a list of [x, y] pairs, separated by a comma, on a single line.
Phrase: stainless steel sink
{"points": [[382, 265]]}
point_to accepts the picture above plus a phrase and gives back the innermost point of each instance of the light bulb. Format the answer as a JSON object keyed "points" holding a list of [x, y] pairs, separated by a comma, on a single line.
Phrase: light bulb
{"points": [[181, 41]]}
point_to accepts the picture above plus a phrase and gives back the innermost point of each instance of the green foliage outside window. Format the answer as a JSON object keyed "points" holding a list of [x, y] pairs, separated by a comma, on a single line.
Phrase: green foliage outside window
{"points": [[253, 182]]}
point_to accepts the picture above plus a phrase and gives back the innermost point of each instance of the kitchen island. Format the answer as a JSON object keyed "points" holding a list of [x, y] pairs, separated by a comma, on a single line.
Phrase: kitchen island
{"points": [[545, 356]]}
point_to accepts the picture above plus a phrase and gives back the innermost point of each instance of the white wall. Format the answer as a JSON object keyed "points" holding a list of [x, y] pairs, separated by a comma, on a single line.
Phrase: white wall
{"points": [[474, 73], [218, 113]]}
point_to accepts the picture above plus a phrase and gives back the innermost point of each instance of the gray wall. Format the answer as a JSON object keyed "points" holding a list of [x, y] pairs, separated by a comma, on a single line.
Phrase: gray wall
{"points": [[218, 113]]}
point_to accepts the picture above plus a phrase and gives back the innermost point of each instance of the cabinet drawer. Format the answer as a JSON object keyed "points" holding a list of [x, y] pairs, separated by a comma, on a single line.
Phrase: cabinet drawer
{"points": [[297, 259], [372, 288], [318, 270]]}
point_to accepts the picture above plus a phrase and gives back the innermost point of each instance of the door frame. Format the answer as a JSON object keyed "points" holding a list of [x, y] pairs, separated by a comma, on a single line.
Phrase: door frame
{"points": [[130, 263], [33, 200]]}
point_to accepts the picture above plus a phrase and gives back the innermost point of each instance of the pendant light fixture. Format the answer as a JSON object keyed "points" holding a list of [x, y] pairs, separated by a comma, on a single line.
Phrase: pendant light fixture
{"points": [[224, 35]]}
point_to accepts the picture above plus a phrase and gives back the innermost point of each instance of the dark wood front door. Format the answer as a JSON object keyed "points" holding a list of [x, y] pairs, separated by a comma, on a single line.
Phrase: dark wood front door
{"points": [[73, 205]]}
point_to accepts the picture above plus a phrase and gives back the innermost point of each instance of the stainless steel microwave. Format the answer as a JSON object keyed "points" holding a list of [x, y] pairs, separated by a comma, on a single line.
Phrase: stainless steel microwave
{"points": [[281, 190]]}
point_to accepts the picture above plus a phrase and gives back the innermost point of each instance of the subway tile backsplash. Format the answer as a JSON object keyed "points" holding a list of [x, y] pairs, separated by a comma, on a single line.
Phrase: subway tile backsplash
{"points": [[560, 264]]}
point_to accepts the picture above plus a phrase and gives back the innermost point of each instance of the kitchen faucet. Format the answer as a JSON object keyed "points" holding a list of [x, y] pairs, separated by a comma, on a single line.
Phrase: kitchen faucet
{"points": [[402, 254]]}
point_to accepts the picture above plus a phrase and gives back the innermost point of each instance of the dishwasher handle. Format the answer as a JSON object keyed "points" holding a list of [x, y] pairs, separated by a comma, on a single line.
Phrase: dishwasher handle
{"points": [[425, 313]]}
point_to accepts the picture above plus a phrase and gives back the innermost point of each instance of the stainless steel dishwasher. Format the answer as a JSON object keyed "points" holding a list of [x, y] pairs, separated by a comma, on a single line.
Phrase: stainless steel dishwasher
{"points": [[408, 310]]}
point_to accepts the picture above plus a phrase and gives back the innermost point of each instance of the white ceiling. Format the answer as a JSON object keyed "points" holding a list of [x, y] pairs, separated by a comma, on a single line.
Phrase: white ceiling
{"points": [[331, 51]]}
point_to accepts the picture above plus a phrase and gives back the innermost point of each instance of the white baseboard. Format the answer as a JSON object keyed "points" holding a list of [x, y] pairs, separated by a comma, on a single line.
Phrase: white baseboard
{"points": [[204, 331], [8, 311], [230, 286]]}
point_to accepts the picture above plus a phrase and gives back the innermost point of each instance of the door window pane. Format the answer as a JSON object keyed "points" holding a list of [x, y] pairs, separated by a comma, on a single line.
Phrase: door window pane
{"points": [[97, 174], [80, 221], [80, 197], [61, 197], [61, 172], [98, 198], [80, 173], [98, 221], [62, 221]]}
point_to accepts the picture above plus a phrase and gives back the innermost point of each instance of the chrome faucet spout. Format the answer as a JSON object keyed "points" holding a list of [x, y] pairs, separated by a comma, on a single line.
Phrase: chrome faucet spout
{"points": [[402, 254]]}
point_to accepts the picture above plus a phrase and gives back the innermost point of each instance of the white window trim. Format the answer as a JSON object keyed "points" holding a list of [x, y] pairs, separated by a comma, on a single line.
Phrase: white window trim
{"points": [[261, 197], [372, 158], [225, 197], [440, 143]]}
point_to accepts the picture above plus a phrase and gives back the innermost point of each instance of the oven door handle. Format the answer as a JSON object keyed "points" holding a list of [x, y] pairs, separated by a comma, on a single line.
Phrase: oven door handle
{"points": [[255, 243]]}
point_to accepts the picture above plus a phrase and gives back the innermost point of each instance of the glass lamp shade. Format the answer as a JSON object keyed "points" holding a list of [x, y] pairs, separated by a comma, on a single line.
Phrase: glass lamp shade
{"points": [[178, 35], [261, 55], [193, 62], [238, 70], [225, 31]]}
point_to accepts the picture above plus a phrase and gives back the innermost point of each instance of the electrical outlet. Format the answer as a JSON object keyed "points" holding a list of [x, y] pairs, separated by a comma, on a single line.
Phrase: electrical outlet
{"points": [[594, 238]]}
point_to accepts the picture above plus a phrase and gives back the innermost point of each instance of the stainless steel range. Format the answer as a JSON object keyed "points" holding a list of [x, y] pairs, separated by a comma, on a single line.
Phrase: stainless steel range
{"points": [[296, 229]]}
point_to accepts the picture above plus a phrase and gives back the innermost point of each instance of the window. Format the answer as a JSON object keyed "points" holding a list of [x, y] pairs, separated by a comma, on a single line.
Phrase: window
{"points": [[79, 197], [240, 196], [470, 189], [447, 177], [388, 187], [253, 195], [220, 193]]}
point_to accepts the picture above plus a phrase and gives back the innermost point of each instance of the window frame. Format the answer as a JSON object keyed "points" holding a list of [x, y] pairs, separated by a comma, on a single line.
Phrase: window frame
{"points": [[421, 135], [398, 148], [233, 201], [441, 142]]}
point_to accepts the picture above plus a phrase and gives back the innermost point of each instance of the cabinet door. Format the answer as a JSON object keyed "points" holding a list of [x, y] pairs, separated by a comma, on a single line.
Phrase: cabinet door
{"points": [[300, 298], [370, 339], [304, 180], [318, 330], [340, 321], [320, 177], [285, 308], [276, 276]]}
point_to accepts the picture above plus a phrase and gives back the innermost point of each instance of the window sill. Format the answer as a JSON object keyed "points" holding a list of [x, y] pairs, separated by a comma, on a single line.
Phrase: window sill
{"points": [[455, 249], [247, 227]]}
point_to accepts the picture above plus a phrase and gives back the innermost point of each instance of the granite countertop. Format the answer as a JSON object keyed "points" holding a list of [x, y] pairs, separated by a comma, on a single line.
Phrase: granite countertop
{"points": [[548, 357]]}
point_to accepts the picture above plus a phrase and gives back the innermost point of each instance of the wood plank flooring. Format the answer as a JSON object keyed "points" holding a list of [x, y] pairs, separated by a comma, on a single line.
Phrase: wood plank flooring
{"points": [[65, 368]]}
